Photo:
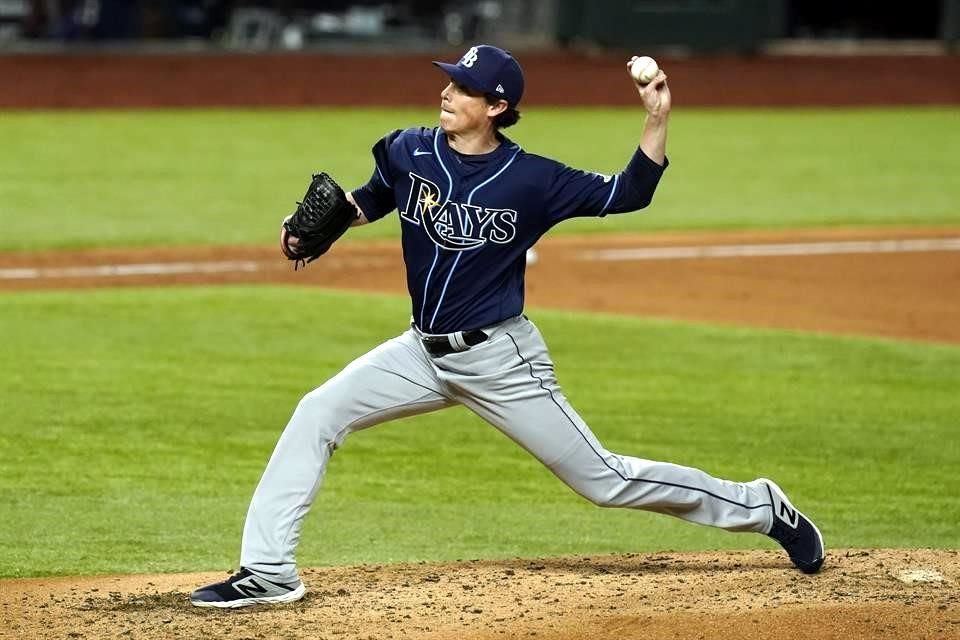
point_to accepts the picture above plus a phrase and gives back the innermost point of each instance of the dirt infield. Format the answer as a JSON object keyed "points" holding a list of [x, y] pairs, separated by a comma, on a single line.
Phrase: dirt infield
{"points": [[837, 281], [720, 596]]}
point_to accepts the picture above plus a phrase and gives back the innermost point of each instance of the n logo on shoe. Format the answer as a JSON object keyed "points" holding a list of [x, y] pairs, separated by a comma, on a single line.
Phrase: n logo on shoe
{"points": [[250, 587], [788, 514]]}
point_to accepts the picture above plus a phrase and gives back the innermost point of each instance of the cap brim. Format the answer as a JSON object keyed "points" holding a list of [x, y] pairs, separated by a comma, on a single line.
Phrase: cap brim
{"points": [[459, 75]]}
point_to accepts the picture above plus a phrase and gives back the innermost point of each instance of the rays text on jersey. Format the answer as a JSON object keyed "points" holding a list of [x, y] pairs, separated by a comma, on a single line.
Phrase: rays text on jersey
{"points": [[456, 226]]}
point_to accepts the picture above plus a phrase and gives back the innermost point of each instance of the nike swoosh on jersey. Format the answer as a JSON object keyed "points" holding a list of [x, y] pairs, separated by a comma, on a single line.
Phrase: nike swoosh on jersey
{"points": [[421, 152]]}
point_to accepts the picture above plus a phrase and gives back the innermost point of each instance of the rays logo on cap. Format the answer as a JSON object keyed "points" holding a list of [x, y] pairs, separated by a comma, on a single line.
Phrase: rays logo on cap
{"points": [[470, 57]]}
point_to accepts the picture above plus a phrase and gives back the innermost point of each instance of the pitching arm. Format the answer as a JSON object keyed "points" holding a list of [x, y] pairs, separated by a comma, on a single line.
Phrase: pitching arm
{"points": [[657, 102]]}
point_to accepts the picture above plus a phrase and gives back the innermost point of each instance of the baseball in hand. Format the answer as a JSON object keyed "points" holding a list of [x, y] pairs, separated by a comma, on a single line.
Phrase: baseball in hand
{"points": [[643, 69]]}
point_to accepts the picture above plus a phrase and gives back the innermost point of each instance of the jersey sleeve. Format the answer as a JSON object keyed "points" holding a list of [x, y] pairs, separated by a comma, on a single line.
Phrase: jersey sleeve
{"points": [[575, 193], [376, 198]]}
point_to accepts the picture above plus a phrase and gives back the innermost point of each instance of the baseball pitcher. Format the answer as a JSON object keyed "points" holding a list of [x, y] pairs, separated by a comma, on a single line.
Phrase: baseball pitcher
{"points": [[471, 202]]}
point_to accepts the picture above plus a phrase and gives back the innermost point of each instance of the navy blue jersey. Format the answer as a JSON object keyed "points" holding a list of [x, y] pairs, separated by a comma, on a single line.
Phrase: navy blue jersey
{"points": [[468, 220]]}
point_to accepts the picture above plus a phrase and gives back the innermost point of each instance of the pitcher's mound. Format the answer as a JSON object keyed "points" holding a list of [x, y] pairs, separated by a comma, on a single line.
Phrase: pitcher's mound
{"points": [[748, 594]]}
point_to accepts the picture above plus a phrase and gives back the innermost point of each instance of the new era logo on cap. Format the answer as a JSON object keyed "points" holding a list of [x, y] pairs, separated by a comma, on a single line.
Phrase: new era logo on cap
{"points": [[488, 69]]}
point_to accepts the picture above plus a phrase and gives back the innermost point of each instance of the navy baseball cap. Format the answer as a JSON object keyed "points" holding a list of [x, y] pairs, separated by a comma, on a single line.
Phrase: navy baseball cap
{"points": [[488, 69]]}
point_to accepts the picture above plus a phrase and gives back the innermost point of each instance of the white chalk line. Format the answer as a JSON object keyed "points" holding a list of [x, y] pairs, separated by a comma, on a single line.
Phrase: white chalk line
{"points": [[121, 270], [791, 249], [613, 255], [169, 268]]}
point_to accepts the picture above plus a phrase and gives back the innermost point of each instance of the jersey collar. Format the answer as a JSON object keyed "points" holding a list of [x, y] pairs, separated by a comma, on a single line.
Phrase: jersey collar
{"points": [[498, 156]]}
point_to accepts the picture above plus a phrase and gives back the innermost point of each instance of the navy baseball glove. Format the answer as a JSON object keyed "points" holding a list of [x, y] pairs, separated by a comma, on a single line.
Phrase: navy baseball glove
{"points": [[321, 218]]}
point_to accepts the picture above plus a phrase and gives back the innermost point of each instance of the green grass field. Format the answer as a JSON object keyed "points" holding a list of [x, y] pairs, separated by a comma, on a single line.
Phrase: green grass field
{"points": [[70, 179], [136, 424]]}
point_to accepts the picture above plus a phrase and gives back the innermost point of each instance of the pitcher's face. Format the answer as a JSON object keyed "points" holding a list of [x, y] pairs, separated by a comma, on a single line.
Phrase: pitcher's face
{"points": [[462, 109]]}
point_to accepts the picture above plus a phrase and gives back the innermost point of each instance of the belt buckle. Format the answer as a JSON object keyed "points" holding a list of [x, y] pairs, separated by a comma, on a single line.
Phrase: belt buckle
{"points": [[445, 344], [436, 346]]}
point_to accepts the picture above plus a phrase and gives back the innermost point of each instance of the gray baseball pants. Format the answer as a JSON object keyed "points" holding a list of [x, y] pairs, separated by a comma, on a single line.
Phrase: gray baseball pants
{"points": [[509, 381]]}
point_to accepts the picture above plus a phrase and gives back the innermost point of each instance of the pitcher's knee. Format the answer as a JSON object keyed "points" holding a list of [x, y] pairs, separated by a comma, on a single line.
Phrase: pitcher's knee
{"points": [[317, 411], [603, 493]]}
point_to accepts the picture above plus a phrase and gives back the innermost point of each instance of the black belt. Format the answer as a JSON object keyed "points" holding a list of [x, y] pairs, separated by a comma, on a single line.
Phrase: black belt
{"points": [[449, 343]]}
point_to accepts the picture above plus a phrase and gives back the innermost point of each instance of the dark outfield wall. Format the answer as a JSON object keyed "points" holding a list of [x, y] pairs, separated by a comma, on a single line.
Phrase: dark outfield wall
{"points": [[232, 80]]}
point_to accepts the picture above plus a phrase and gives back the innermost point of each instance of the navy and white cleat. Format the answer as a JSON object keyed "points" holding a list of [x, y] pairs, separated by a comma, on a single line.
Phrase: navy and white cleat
{"points": [[243, 589], [795, 532]]}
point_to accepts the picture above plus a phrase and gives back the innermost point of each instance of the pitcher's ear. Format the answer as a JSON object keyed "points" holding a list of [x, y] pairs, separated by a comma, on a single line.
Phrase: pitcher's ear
{"points": [[497, 108]]}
